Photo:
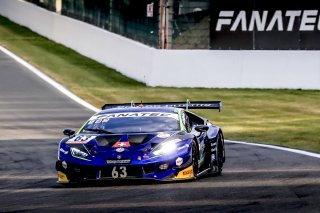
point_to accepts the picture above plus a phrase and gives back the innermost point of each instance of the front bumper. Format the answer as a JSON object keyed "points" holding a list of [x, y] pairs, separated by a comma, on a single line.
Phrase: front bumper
{"points": [[166, 170]]}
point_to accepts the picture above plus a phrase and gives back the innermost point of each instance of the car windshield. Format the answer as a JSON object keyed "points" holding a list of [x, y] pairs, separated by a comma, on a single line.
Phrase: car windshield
{"points": [[134, 122]]}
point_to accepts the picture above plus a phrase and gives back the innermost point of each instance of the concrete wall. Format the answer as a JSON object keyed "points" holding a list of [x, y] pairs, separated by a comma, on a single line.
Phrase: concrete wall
{"points": [[180, 68], [128, 57], [238, 69]]}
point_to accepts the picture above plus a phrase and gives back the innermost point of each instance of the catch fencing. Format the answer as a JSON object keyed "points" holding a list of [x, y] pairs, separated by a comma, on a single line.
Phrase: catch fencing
{"points": [[163, 24], [203, 24]]}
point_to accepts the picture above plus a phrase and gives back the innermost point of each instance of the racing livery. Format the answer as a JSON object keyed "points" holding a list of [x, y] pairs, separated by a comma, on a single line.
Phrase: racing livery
{"points": [[160, 141]]}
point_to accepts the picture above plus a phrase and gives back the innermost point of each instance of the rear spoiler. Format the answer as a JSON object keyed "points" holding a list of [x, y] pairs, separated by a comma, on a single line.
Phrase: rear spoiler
{"points": [[185, 105]]}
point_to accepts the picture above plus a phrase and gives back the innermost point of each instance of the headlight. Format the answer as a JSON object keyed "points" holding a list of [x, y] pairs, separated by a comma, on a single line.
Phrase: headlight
{"points": [[78, 153], [166, 148]]}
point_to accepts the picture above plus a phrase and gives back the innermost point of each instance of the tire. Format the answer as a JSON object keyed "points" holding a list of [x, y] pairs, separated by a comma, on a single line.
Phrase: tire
{"points": [[195, 158], [219, 154]]}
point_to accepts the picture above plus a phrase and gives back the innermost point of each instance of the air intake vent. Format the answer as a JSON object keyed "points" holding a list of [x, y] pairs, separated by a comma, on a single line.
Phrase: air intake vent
{"points": [[136, 139], [107, 140], [148, 169]]}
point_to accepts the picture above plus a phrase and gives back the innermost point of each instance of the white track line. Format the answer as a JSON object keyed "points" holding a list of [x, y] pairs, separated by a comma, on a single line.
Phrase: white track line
{"points": [[91, 107], [311, 154], [49, 80]]}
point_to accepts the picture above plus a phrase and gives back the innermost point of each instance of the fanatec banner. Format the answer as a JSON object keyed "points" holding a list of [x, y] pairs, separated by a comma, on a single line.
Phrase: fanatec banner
{"points": [[265, 24]]}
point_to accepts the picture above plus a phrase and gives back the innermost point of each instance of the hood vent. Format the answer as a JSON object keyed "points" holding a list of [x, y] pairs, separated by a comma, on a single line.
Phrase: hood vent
{"points": [[108, 140], [139, 139], [134, 139]]}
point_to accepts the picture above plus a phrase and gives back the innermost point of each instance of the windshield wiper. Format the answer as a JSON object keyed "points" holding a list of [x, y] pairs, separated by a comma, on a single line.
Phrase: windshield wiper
{"points": [[98, 130]]}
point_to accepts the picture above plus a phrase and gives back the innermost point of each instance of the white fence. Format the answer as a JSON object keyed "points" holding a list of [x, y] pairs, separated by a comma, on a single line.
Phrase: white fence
{"points": [[177, 68]]}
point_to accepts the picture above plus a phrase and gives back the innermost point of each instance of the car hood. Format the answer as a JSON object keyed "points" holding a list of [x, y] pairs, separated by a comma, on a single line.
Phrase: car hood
{"points": [[117, 148], [124, 142]]}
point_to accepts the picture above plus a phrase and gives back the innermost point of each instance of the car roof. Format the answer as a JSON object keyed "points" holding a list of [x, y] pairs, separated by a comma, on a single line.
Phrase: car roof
{"points": [[140, 109]]}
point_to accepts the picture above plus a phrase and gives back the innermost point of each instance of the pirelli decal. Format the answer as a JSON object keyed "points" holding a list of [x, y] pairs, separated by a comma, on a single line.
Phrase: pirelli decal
{"points": [[62, 178], [186, 173]]}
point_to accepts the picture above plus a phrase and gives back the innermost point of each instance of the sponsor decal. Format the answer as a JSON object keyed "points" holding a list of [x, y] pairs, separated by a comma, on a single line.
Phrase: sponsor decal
{"points": [[80, 139], [186, 173], [119, 157], [139, 158], [182, 147], [101, 118], [163, 135], [62, 178], [117, 161], [120, 149], [121, 144], [64, 164], [182, 105], [105, 120], [64, 151], [179, 161], [146, 156], [280, 20], [76, 142]]}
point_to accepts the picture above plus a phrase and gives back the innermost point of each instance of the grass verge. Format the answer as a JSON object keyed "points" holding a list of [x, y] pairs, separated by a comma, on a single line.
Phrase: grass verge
{"points": [[288, 118]]}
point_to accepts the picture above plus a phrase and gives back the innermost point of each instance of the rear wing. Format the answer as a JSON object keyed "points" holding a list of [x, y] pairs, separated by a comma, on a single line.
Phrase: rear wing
{"points": [[185, 105]]}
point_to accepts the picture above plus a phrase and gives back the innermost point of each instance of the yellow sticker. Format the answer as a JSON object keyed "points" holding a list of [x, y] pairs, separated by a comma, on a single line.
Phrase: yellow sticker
{"points": [[62, 178], [186, 173]]}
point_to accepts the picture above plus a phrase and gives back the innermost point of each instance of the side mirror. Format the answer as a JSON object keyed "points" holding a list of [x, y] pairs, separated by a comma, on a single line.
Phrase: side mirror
{"points": [[201, 128], [69, 132]]}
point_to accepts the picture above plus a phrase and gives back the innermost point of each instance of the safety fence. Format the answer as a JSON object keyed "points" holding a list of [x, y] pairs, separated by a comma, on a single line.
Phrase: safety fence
{"points": [[203, 24], [163, 24]]}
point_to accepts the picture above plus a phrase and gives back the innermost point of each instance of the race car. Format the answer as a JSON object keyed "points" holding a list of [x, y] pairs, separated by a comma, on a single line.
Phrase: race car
{"points": [[159, 141]]}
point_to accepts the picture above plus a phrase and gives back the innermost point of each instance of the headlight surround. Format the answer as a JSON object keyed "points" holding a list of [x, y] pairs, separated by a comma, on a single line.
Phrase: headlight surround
{"points": [[166, 148], [78, 153]]}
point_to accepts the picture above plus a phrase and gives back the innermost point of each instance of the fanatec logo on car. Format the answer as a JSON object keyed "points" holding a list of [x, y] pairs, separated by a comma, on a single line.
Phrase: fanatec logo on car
{"points": [[280, 20]]}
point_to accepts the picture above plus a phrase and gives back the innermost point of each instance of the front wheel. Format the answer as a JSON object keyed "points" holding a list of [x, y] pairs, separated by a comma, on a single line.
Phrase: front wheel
{"points": [[195, 158], [219, 154]]}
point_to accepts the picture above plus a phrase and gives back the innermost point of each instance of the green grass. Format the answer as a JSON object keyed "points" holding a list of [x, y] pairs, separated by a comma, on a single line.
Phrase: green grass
{"points": [[288, 118]]}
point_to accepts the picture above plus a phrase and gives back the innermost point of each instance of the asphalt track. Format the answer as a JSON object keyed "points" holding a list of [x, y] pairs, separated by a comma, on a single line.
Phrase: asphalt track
{"points": [[32, 115]]}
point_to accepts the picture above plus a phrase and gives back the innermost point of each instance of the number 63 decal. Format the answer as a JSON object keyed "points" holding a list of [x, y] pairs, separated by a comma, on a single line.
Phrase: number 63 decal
{"points": [[119, 172]]}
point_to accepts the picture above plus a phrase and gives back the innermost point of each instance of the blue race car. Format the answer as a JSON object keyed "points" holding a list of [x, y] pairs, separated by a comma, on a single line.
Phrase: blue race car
{"points": [[160, 141]]}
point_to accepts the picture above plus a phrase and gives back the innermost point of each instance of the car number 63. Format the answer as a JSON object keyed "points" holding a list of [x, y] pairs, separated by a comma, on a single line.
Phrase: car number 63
{"points": [[119, 172]]}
